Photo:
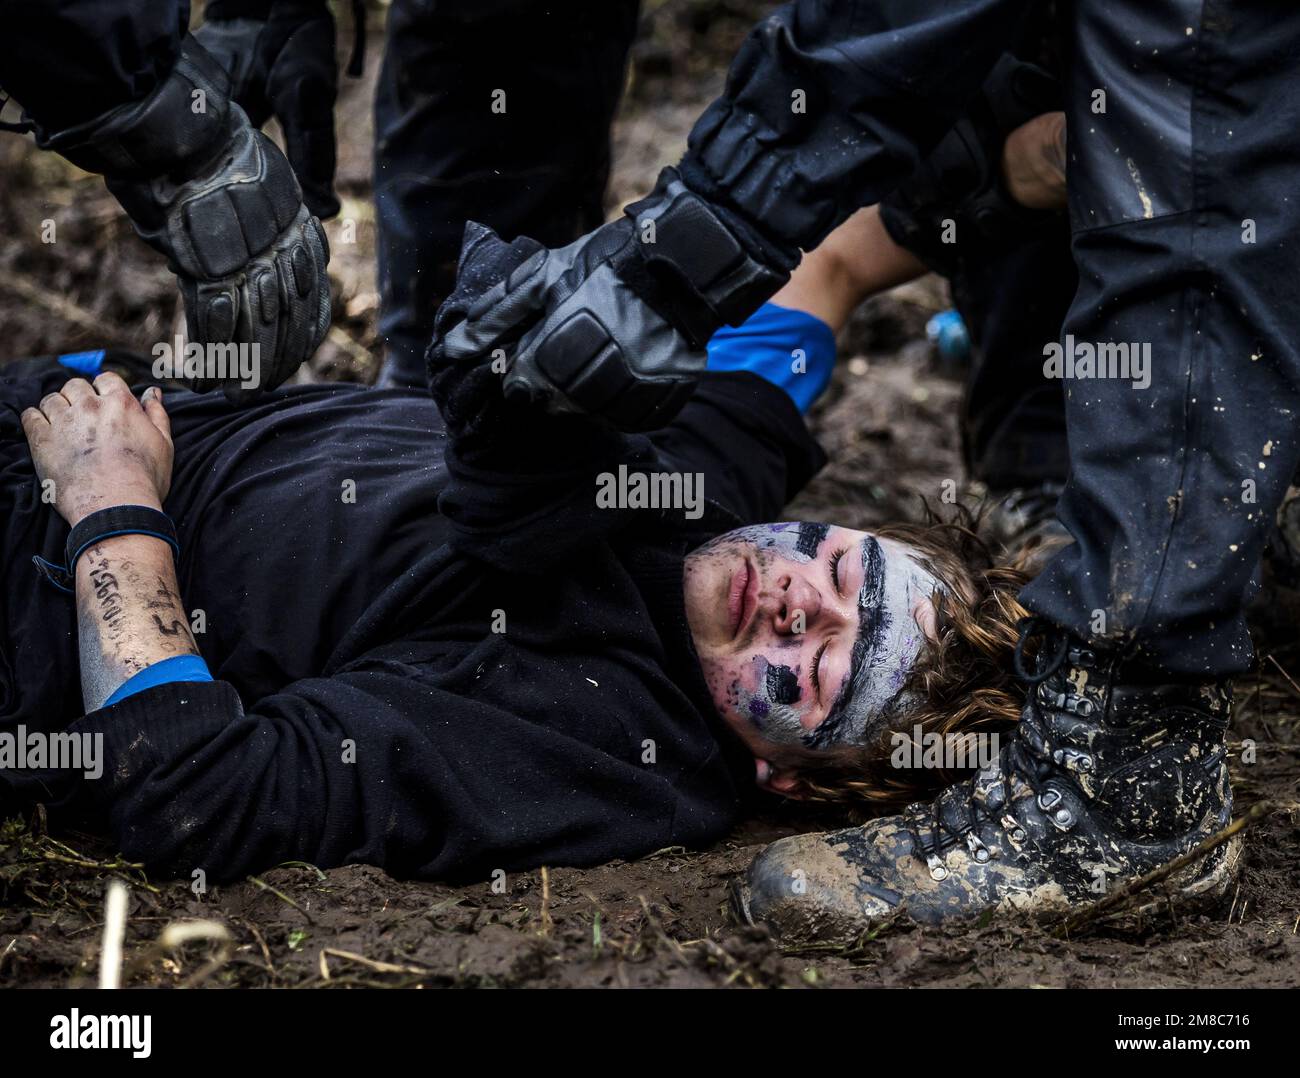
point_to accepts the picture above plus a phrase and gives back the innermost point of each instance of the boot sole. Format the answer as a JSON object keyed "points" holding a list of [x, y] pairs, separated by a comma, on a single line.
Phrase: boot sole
{"points": [[1198, 887]]}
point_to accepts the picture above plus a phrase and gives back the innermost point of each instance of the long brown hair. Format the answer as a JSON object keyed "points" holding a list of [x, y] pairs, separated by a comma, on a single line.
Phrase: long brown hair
{"points": [[964, 680]]}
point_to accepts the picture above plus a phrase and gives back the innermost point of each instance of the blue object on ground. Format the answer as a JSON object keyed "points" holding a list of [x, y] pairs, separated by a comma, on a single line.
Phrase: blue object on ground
{"points": [[949, 334]]}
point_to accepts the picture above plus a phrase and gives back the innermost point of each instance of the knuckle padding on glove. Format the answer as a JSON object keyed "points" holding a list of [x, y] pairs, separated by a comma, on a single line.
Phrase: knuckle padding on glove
{"points": [[268, 296], [582, 359], [585, 363], [226, 224], [690, 236], [217, 319]]}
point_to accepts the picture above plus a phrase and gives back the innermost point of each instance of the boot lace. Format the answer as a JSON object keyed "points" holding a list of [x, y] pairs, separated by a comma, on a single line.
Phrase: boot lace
{"points": [[1019, 758]]}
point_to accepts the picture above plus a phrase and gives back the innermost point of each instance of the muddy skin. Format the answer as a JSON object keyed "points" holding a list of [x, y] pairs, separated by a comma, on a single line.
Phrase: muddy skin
{"points": [[827, 626]]}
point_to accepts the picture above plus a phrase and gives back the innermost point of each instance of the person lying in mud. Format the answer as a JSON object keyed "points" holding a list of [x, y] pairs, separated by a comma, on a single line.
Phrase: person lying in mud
{"points": [[428, 643]]}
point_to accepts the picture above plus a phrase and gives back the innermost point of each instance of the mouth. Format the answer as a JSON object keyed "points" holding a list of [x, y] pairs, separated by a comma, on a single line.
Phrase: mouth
{"points": [[741, 596]]}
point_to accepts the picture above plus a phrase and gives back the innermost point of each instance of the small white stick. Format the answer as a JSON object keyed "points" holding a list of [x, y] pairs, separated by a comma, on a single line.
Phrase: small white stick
{"points": [[110, 962]]}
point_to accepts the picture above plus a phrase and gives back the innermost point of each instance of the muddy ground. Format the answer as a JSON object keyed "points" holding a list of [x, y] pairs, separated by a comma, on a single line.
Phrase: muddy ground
{"points": [[662, 921]]}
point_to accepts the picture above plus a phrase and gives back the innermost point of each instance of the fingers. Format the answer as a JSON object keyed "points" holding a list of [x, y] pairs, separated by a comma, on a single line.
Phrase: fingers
{"points": [[35, 425], [152, 403], [504, 308], [109, 382], [77, 392], [76, 389], [53, 405], [278, 314]]}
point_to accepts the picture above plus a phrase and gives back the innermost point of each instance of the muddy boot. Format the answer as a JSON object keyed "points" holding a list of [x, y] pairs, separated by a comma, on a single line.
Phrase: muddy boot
{"points": [[1104, 779]]}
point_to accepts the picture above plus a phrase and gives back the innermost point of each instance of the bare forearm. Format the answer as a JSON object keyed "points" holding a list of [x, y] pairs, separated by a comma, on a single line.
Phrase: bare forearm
{"points": [[129, 613], [854, 262]]}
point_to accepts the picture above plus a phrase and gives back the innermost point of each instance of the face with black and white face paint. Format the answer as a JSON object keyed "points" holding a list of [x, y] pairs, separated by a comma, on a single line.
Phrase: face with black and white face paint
{"points": [[806, 632]]}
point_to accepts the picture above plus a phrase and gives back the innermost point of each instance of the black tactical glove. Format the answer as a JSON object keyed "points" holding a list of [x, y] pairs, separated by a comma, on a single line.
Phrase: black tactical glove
{"points": [[476, 328], [620, 317], [961, 180], [283, 65], [220, 201]]}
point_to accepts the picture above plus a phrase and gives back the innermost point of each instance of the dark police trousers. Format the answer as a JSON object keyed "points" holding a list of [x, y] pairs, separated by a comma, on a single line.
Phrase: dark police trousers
{"points": [[495, 111], [1184, 176]]}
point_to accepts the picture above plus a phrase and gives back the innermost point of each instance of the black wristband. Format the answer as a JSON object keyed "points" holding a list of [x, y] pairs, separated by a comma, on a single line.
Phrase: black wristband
{"points": [[105, 524]]}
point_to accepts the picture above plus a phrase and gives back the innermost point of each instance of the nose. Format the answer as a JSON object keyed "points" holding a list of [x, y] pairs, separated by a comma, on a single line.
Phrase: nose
{"points": [[794, 606]]}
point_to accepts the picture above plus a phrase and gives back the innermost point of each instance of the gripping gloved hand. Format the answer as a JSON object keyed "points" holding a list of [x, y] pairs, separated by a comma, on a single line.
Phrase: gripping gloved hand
{"points": [[478, 323], [284, 66], [615, 324], [961, 185], [218, 198]]}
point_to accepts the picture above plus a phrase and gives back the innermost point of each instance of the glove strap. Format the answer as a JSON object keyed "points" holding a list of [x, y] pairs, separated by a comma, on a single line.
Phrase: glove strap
{"points": [[691, 268], [101, 525]]}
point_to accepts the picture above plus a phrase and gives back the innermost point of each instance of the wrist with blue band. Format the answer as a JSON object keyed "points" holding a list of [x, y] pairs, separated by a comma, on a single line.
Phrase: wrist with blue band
{"points": [[163, 672], [105, 524]]}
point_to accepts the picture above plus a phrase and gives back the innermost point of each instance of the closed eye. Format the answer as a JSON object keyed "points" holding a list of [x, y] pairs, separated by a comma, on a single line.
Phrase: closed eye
{"points": [[835, 567], [813, 675]]}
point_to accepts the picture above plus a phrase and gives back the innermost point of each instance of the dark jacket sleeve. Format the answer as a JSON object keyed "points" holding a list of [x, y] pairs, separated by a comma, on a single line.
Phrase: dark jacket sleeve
{"points": [[747, 439], [523, 498], [831, 104], [390, 762], [69, 61], [521, 489]]}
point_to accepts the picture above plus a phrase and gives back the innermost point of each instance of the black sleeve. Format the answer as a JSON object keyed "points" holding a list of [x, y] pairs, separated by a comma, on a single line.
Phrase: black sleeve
{"points": [[243, 9], [69, 61], [748, 440], [388, 762], [521, 489], [521, 494], [831, 104]]}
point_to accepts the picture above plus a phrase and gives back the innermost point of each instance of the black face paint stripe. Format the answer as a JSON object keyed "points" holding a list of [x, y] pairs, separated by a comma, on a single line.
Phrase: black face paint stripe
{"points": [[810, 538], [873, 622], [782, 685], [873, 619]]}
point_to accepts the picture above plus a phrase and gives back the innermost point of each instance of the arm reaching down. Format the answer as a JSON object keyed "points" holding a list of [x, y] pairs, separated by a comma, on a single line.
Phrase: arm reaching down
{"points": [[854, 262], [790, 340], [860, 258]]}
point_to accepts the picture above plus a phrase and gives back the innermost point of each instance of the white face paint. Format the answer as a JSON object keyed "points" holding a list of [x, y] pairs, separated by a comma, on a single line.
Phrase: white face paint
{"points": [[806, 633]]}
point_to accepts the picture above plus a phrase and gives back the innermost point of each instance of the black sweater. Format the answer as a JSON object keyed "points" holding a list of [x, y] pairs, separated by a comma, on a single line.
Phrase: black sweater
{"points": [[363, 708]]}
